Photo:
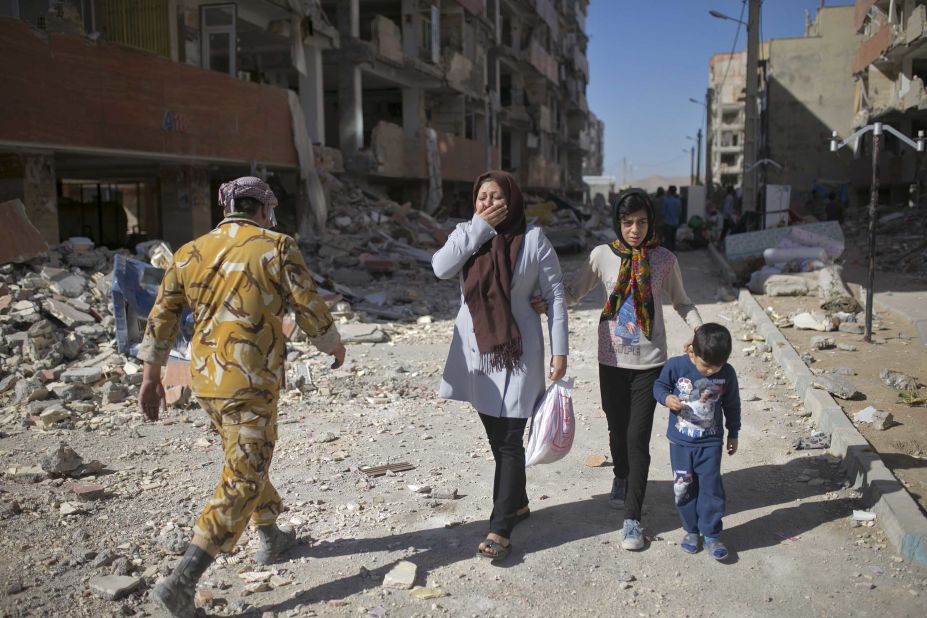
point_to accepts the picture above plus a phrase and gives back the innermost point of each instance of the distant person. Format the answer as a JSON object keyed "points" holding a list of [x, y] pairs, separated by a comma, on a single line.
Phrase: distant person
{"points": [[833, 210], [727, 213], [672, 213], [700, 388]]}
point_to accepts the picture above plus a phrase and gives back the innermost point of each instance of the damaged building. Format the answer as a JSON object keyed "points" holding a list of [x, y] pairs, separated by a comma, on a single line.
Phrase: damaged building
{"points": [[121, 118], [890, 68]]}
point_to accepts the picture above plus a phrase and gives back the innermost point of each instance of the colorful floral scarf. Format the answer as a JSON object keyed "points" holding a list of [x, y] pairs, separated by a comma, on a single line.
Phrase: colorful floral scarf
{"points": [[633, 281]]}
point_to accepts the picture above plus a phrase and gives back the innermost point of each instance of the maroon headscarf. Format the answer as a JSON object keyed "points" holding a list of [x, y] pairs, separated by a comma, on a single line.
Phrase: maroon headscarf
{"points": [[488, 282]]}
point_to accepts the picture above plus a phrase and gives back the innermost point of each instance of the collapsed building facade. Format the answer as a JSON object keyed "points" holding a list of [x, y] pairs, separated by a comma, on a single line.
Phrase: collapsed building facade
{"points": [[890, 68], [122, 118]]}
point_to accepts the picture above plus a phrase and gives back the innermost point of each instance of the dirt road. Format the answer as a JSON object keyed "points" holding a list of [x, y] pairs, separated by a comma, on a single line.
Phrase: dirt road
{"points": [[795, 551]]}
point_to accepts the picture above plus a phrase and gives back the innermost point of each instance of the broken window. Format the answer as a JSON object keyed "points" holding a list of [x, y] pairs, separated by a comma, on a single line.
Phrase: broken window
{"points": [[218, 35], [729, 159]]}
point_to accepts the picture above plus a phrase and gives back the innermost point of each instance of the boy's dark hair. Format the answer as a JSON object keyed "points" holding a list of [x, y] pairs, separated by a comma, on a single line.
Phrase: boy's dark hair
{"points": [[672, 189], [247, 206], [712, 343]]}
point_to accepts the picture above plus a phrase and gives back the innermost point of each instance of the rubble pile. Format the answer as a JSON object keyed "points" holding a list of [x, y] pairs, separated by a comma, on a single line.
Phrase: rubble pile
{"points": [[57, 355], [901, 242]]}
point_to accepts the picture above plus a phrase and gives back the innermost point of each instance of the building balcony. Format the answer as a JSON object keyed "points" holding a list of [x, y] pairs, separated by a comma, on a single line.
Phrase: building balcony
{"points": [[543, 62], [398, 156], [64, 93], [729, 148]]}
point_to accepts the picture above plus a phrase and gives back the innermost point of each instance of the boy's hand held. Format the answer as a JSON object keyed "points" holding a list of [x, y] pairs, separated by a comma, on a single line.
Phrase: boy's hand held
{"points": [[731, 446], [673, 403]]}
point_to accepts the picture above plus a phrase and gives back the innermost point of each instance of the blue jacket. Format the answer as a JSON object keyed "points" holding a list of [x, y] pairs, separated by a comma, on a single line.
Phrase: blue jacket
{"points": [[706, 399], [672, 209]]}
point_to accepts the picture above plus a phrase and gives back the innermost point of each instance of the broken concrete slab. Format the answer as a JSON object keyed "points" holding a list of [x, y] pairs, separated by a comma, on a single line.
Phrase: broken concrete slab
{"points": [[837, 386], [821, 342], [362, 333], [812, 321], [82, 375], [20, 241], [402, 576], [115, 586], [66, 314]]}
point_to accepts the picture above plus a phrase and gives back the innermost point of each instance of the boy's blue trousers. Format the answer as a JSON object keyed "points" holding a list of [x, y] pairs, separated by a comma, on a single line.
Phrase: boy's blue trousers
{"points": [[697, 487]]}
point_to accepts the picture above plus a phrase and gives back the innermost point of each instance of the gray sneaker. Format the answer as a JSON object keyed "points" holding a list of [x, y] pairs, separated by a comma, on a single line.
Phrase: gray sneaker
{"points": [[633, 535], [619, 489]]}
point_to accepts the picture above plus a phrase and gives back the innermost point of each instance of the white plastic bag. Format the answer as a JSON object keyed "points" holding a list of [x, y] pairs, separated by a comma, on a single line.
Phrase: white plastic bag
{"points": [[552, 426]]}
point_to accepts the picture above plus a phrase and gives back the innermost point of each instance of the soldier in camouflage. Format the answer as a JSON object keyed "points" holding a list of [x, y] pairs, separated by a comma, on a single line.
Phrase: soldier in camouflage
{"points": [[238, 280]]}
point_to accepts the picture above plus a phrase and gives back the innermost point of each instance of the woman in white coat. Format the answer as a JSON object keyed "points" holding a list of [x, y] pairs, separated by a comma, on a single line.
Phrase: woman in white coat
{"points": [[496, 360]]}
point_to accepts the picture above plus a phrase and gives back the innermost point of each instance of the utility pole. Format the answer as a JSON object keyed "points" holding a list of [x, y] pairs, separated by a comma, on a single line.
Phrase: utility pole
{"points": [[709, 142], [750, 129], [692, 178], [698, 159]]}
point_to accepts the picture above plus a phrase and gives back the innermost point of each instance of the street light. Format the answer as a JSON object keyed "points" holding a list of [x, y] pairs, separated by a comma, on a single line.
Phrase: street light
{"points": [[877, 129], [698, 102], [720, 15]]}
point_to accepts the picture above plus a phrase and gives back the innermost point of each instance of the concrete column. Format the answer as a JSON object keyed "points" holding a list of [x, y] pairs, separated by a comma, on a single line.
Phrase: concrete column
{"points": [[40, 194], [413, 110], [350, 108], [312, 94], [349, 18], [350, 88], [409, 29], [185, 203]]}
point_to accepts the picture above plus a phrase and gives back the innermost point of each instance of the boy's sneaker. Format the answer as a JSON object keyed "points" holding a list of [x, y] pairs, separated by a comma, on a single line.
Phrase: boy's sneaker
{"points": [[633, 535], [690, 542], [619, 489], [715, 548]]}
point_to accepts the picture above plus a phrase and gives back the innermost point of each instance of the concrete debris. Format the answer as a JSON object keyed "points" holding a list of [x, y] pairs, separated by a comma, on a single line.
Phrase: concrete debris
{"points": [[812, 321], [595, 461], [897, 380], [115, 587], [61, 460], [173, 540], [817, 440], [401, 576], [823, 343], [879, 419], [836, 385], [428, 593]]}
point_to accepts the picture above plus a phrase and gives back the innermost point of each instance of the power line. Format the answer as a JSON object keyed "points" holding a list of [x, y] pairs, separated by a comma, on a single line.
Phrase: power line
{"points": [[727, 69]]}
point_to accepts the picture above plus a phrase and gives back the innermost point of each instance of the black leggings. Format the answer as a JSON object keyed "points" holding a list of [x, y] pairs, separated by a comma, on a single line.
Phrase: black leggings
{"points": [[628, 403], [506, 436]]}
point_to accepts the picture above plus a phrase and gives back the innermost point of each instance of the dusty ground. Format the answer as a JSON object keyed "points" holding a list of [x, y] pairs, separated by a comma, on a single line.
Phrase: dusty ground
{"points": [[795, 549], [903, 446]]}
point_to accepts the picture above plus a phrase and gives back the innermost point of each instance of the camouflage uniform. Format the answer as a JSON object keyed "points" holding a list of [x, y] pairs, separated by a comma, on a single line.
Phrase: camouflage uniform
{"points": [[238, 280]]}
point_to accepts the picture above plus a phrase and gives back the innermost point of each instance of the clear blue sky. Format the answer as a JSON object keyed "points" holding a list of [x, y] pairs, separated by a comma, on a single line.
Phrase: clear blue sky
{"points": [[647, 58]]}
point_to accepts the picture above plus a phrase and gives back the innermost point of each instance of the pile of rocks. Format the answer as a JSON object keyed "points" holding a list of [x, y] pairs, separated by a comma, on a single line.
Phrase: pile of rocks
{"points": [[57, 355]]}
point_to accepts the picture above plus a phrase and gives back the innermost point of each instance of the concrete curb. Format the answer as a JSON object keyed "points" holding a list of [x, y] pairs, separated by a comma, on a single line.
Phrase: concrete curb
{"points": [[898, 513]]}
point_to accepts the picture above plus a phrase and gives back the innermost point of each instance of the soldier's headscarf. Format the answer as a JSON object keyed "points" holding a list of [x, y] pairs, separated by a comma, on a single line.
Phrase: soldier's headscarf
{"points": [[248, 186]]}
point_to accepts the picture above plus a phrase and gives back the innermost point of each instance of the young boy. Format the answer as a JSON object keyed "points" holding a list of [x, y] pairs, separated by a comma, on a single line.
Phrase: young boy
{"points": [[698, 388]]}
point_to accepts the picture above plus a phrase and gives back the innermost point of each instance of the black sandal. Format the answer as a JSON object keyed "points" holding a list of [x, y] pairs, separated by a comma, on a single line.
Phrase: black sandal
{"points": [[499, 552]]}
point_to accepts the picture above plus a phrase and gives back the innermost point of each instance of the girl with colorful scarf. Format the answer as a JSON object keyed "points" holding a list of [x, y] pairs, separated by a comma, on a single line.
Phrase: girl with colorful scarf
{"points": [[496, 360], [637, 275]]}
